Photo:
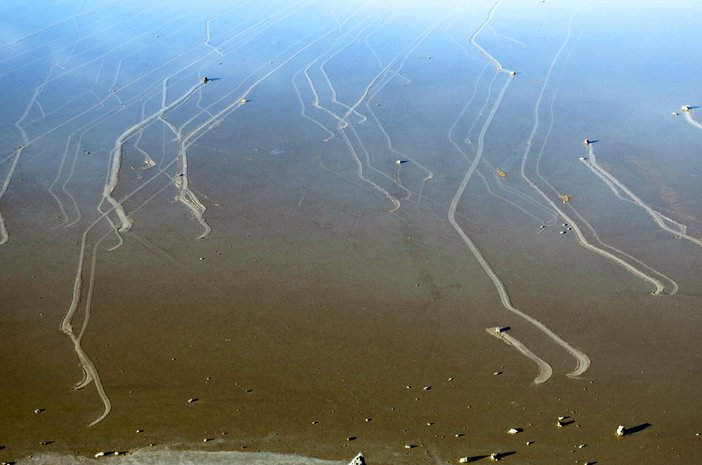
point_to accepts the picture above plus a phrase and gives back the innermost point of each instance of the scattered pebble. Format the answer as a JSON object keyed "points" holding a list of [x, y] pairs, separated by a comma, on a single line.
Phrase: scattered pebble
{"points": [[514, 430], [452, 379], [45, 443], [208, 439], [369, 419], [140, 431], [410, 446], [193, 399], [107, 453], [563, 232], [497, 373], [564, 421], [528, 443], [427, 388], [582, 446], [351, 438], [39, 410]]}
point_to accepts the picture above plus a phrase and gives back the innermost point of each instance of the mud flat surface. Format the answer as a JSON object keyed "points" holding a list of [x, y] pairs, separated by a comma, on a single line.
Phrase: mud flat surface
{"points": [[278, 232]]}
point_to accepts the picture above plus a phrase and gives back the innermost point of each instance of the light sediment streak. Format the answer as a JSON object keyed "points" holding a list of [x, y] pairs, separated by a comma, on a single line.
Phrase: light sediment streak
{"points": [[90, 372], [615, 186], [582, 360], [116, 157], [545, 370], [659, 288], [57, 23], [4, 236], [498, 66], [692, 120]]}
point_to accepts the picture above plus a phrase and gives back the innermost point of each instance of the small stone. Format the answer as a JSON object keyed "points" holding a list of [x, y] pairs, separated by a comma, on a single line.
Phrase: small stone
{"points": [[39, 410], [243, 101], [193, 399], [351, 438], [427, 388], [528, 443], [368, 419], [208, 439], [514, 431], [497, 373], [140, 431], [410, 446]]}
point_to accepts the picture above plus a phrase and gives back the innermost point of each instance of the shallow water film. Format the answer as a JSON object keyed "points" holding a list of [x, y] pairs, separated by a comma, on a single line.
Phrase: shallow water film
{"points": [[286, 232]]}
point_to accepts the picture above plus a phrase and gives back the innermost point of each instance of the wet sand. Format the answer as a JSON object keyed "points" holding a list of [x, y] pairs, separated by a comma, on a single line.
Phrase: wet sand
{"points": [[301, 256]]}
